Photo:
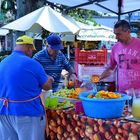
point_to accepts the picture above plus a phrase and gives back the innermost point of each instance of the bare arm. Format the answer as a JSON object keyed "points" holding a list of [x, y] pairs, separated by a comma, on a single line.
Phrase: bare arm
{"points": [[109, 70], [48, 84]]}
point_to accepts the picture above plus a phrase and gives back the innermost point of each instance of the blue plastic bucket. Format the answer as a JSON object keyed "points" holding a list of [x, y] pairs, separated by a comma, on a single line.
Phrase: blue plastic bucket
{"points": [[103, 108]]}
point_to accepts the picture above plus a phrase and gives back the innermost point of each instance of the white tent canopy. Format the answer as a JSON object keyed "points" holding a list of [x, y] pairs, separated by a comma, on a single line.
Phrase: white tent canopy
{"points": [[3, 32], [91, 33], [118, 7], [44, 17], [96, 35]]}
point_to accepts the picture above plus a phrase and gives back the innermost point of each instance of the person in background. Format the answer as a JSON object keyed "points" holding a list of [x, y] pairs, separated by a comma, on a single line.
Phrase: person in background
{"points": [[22, 115], [54, 61], [125, 56]]}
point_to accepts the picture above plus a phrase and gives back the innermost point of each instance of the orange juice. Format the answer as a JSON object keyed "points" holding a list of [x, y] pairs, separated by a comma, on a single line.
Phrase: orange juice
{"points": [[136, 108]]}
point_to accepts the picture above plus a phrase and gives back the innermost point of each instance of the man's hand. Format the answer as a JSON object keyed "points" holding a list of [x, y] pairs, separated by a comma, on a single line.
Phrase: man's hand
{"points": [[48, 84], [51, 79], [73, 77]]}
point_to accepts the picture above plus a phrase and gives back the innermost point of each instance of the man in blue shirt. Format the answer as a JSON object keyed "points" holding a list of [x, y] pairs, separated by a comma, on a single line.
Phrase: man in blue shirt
{"points": [[22, 115], [54, 61]]}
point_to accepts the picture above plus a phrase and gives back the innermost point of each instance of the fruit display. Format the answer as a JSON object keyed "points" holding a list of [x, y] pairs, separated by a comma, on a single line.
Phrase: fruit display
{"points": [[76, 93], [90, 95], [104, 95], [55, 104], [103, 106], [64, 104], [95, 78], [67, 93], [107, 95], [64, 92], [68, 125]]}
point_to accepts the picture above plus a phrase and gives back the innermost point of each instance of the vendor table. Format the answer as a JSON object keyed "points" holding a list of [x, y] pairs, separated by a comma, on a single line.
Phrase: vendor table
{"points": [[67, 124]]}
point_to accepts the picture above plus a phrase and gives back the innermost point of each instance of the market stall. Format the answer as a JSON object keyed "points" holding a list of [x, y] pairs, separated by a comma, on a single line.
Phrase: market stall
{"points": [[68, 124], [103, 116], [93, 62]]}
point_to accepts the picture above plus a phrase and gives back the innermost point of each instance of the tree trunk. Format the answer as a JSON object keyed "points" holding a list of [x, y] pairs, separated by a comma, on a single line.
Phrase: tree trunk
{"points": [[23, 8]]}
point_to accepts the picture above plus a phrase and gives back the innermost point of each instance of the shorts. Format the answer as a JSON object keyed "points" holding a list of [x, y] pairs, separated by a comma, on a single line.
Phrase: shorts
{"points": [[22, 127]]}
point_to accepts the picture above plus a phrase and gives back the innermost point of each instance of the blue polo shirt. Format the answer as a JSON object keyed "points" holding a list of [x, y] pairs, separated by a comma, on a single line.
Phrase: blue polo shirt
{"points": [[21, 78], [53, 67]]}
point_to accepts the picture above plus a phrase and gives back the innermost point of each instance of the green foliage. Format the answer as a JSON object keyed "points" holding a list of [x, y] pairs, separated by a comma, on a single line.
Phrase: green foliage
{"points": [[2, 17], [8, 11], [7, 5], [84, 15], [4, 54]]}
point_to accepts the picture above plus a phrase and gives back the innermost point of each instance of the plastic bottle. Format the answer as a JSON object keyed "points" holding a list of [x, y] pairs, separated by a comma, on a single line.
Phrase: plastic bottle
{"points": [[87, 84], [47, 94]]}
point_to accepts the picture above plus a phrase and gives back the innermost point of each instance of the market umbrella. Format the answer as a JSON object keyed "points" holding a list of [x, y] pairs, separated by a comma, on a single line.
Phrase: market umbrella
{"points": [[118, 7], [44, 17], [3, 32], [96, 35], [90, 32]]}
